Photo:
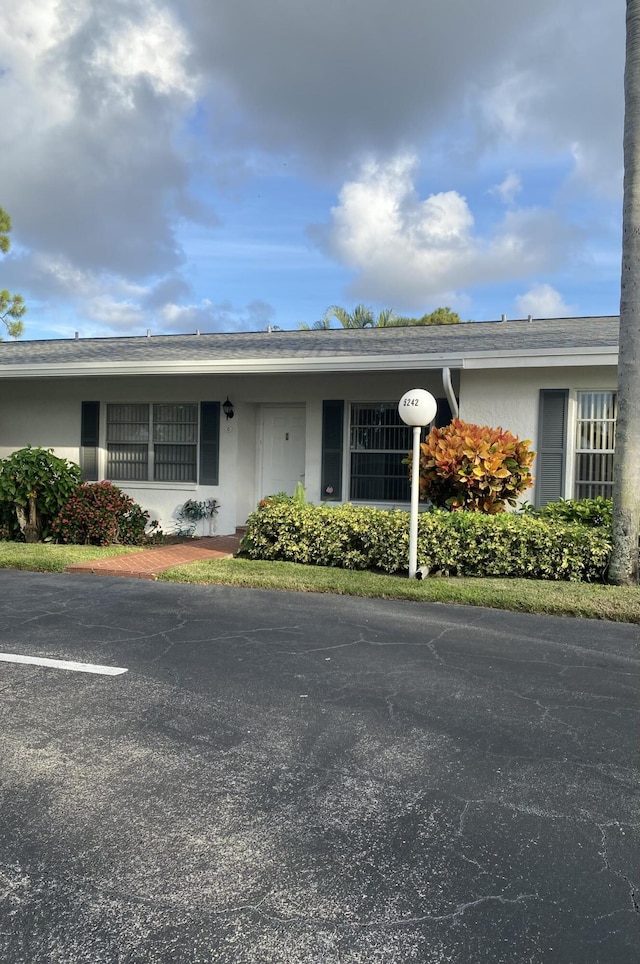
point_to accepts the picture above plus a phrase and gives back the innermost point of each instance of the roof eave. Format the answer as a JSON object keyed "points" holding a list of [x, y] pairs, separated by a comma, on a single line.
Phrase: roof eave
{"points": [[603, 355], [537, 358], [257, 366]]}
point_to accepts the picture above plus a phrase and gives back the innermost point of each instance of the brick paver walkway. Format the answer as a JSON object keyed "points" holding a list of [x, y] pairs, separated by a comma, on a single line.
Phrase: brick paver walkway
{"points": [[147, 564]]}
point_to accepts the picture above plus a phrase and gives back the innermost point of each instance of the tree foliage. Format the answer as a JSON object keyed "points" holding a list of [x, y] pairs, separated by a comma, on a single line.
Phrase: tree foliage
{"points": [[360, 317], [474, 467], [35, 483], [364, 317], [441, 316], [12, 307]]}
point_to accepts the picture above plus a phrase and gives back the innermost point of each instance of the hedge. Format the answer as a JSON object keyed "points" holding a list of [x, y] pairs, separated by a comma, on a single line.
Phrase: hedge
{"points": [[449, 543]]}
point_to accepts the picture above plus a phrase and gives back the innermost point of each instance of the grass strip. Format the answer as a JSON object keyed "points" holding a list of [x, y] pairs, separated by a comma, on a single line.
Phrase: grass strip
{"points": [[583, 600], [48, 557]]}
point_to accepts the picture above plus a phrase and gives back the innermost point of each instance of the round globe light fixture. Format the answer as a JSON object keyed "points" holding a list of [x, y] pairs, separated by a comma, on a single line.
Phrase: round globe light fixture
{"points": [[416, 408]]}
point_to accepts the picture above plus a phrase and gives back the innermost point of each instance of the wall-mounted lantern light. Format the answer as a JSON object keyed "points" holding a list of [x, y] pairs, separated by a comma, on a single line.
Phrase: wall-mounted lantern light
{"points": [[227, 408]]}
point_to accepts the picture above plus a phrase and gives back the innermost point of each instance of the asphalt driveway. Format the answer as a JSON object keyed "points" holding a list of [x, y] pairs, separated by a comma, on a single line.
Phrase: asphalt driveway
{"points": [[300, 778]]}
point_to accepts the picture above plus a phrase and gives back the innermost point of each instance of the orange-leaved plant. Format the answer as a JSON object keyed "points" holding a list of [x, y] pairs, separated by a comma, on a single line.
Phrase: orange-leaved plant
{"points": [[474, 467]]}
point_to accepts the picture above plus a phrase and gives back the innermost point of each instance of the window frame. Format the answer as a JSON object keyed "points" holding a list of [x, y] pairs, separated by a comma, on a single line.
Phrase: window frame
{"points": [[146, 428], [574, 451], [150, 480], [349, 451]]}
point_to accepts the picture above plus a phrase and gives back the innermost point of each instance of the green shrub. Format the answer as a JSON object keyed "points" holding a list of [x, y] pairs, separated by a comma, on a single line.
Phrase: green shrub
{"points": [[529, 547], [34, 484], [9, 528], [590, 512], [279, 497], [474, 467], [100, 514], [455, 543]]}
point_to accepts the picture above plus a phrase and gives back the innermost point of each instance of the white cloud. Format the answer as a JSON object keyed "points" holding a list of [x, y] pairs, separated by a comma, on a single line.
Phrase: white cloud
{"points": [[508, 189], [115, 112], [507, 104], [207, 316], [31, 32], [103, 311], [408, 251], [109, 304], [543, 301], [562, 106], [329, 82], [104, 302], [91, 97], [155, 47]]}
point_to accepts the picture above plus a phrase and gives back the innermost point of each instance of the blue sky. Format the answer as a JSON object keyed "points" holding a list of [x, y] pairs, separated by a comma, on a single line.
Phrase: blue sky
{"points": [[229, 164]]}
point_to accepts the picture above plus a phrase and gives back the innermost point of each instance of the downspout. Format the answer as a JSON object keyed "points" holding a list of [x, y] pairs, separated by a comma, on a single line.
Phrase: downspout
{"points": [[448, 390]]}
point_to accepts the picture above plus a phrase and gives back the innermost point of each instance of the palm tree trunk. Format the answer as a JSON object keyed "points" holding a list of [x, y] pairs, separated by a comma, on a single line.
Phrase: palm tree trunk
{"points": [[626, 496]]}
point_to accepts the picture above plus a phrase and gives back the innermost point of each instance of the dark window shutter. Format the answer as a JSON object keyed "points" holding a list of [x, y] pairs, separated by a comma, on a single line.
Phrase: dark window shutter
{"points": [[89, 440], [332, 439], [209, 442], [552, 446]]}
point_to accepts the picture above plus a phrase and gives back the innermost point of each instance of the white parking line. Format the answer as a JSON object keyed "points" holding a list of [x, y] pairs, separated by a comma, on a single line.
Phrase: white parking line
{"points": [[62, 664]]}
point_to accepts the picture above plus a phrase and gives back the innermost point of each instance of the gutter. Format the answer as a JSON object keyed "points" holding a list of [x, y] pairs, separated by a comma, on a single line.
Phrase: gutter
{"points": [[235, 366], [449, 392], [540, 358]]}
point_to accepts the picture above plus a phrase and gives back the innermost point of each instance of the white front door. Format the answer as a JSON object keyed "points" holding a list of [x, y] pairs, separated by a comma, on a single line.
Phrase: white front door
{"points": [[283, 448]]}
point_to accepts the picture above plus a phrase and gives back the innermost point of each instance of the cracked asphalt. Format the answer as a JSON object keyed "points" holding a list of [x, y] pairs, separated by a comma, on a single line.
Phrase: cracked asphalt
{"points": [[305, 778]]}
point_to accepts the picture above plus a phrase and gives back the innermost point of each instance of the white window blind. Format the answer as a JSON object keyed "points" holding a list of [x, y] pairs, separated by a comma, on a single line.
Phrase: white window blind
{"points": [[156, 442], [595, 444]]}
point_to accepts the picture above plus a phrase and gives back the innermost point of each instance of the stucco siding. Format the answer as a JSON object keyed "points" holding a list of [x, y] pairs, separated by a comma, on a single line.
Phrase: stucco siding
{"points": [[43, 412], [511, 399], [47, 412]]}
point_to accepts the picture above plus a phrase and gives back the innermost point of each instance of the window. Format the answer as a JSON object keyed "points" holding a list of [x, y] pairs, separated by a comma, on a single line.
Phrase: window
{"points": [[175, 437], [379, 442], [595, 442], [152, 442]]}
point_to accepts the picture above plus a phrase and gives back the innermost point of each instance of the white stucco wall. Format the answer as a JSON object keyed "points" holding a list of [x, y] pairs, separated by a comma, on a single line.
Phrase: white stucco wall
{"points": [[44, 412], [47, 412], [510, 398]]}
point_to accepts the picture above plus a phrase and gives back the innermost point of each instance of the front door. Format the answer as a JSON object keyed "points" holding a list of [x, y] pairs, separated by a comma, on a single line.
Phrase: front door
{"points": [[283, 448]]}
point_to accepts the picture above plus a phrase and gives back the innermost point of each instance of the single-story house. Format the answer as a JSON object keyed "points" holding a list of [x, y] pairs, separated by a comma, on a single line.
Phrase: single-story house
{"points": [[236, 416]]}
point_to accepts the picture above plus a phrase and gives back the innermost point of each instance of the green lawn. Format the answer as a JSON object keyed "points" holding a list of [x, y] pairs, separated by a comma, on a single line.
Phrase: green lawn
{"points": [[520, 595], [46, 557]]}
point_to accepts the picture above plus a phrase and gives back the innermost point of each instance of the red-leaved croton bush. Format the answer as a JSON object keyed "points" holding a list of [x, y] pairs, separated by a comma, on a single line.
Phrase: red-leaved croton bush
{"points": [[474, 467]]}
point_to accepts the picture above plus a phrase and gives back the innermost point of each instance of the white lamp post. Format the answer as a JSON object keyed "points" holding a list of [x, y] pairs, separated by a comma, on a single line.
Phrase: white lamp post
{"points": [[416, 408]]}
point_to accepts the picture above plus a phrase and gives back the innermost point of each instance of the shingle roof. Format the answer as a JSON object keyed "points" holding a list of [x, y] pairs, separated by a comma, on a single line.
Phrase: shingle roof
{"points": [[495, 338]]}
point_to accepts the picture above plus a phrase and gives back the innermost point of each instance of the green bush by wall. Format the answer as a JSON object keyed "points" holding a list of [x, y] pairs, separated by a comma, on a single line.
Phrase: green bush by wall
{"points": [[591, 512], [34, 484], [455, 543], [100, 514]]}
